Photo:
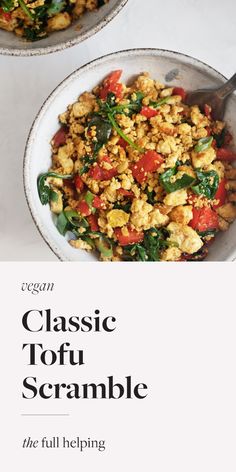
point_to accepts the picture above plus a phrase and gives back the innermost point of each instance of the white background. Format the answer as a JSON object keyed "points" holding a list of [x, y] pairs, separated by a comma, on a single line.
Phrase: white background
{"points": [[176, 333], [203, 29]]}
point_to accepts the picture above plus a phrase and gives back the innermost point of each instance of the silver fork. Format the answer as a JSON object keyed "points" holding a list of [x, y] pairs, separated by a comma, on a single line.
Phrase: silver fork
{"points": [[216, 98]]}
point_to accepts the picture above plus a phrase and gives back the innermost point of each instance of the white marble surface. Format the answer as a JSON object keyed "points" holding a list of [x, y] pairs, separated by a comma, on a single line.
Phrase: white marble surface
{"points": [[202, 28]]}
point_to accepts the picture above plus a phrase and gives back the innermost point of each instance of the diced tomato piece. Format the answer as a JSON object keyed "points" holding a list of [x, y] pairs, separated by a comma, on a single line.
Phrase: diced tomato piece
{"points": [[79, 184], [95, 172], [132, 238], [149, 162], [207, 111], [221, 193], [113, 77], [105, 159], [117, 89], [125, 193], [204, 219], [122, 143], [5, 15], [148, 112], [179, 91], [98, 173], [110, 84], [98, 203], [225, 154], [93, 222], [83, 208], [60, 137], [108, 174]]}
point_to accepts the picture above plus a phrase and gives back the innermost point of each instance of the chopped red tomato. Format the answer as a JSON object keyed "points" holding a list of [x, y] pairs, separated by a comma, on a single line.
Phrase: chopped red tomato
{"points": [[148, 112], [221, 193], [105, 159], [5, 15], [79, 184], [132, 238], [113, 77], [122, 143], [93, 222], [108, 174], [225, 154], [83, 208], [95, 172], [149, 162], [98, 173], [110, 84], [98, 203], [207, 111], [125, 193], [179, 91], [204, 219], [60, 137]]}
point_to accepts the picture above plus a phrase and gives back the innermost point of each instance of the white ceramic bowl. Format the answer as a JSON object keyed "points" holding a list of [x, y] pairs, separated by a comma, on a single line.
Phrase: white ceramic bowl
{"points": [[169, 67], [90, 23]]}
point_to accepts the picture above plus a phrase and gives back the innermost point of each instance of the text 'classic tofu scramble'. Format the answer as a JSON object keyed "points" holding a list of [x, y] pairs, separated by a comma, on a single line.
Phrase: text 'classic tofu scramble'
{"points": [[33, 20], [137, 175]]}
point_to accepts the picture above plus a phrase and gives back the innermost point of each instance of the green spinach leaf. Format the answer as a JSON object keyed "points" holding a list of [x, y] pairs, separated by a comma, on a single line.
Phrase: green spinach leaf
{"points": [[207, 184], [56, 6], [45, 192], [169, 186]]}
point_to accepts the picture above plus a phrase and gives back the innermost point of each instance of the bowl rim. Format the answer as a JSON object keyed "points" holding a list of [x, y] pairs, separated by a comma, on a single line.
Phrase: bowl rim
{"points": [[27, 154], [61, 46]]}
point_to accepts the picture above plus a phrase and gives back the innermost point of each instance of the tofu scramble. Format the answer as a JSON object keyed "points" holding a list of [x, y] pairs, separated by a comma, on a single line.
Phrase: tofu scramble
{"points": [[137, 175], [35, 19]]}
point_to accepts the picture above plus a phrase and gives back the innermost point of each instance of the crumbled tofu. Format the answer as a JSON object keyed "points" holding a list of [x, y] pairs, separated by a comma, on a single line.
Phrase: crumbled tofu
{"points": [[171, 254], [185, 237], [179, 197], [65, 160], [59, 22], [182, 214], [80, 244], [203, 159], [84, 106], [156, 219], [198, 118], [139, 213]]}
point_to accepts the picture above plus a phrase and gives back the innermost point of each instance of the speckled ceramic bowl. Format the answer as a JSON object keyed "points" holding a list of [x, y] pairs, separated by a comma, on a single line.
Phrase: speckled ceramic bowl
{"points": [[169, 67], [89, 24]]}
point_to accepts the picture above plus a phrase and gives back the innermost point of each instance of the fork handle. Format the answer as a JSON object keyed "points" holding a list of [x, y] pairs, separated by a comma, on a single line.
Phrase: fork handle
{"points": [[227, 88]]}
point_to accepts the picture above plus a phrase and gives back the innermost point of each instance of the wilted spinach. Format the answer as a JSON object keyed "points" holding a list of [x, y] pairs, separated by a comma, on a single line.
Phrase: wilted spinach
{"points": [[207, 183], [155, 241], [169, 186], [44, 190], [70, 220]]}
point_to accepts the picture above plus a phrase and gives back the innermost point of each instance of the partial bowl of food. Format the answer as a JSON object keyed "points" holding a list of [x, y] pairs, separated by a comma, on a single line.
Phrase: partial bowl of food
{"points": [[118, 168], [29, 27]]}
